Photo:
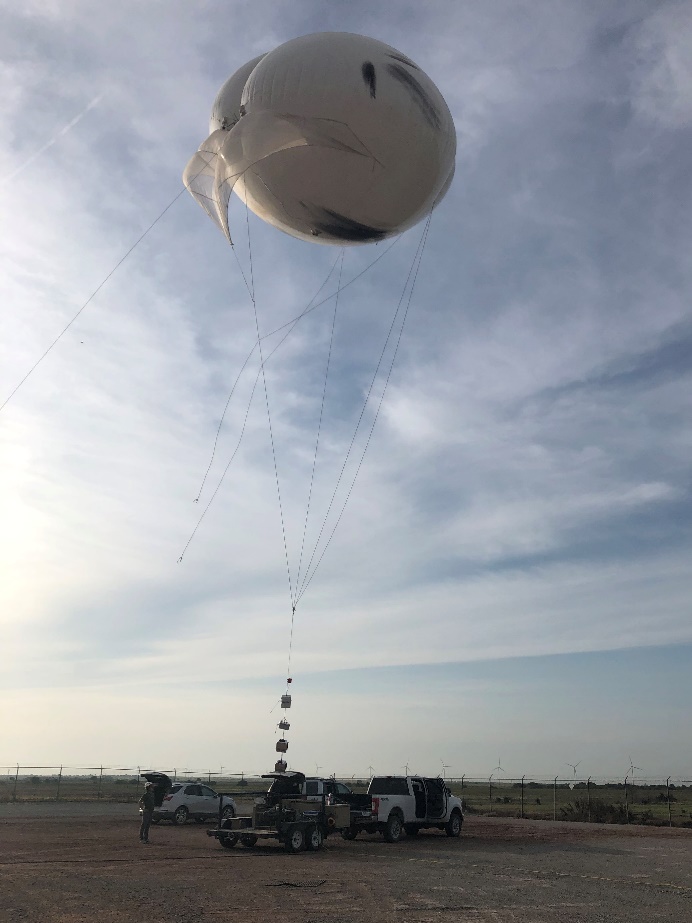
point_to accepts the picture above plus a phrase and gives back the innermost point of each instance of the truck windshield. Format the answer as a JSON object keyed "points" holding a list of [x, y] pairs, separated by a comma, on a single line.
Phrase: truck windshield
{"points": [[388, 785]]}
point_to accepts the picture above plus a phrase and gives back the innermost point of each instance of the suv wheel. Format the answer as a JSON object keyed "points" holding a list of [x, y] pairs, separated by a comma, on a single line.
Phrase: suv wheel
{"points": [[227, 812], [180, 815]]}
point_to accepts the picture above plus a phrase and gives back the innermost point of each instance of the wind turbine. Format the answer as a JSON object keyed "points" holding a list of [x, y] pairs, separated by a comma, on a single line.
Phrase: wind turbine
{"points": [[405, 768], [444, 766], [498, 767], [574, 767], [632, 768], [317, 769], [371, 771]]}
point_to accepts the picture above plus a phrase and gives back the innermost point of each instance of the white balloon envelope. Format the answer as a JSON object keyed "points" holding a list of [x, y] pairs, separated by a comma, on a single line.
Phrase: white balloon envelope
{"points": [[334, 138]]}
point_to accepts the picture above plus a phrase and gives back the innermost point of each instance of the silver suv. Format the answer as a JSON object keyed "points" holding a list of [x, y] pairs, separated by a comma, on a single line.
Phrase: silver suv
{"points": [[187, 800]]}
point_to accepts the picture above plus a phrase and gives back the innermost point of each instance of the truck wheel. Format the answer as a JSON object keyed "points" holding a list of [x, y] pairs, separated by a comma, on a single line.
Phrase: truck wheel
{"points": [[248, 839], [393, 828], [228, 840], [411, 829], [453, 825], [349, 833], [314, 839], [181, 815], [295, 840]]}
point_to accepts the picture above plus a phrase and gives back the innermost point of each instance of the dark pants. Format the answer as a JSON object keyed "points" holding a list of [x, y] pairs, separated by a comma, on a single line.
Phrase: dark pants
{"points": [[146, 822]]}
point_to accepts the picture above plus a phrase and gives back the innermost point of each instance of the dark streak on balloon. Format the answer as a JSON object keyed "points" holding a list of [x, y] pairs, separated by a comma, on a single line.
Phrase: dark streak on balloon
{"points": [[404, 60], [420, 97], [326, 221], [368, 72]]}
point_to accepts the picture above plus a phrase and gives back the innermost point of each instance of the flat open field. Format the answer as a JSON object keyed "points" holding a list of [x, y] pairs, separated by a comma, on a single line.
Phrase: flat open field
{"points": [[78, 863]]}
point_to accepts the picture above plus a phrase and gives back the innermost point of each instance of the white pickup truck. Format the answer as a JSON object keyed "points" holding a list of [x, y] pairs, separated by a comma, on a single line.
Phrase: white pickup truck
{"points": [[406, 803]]}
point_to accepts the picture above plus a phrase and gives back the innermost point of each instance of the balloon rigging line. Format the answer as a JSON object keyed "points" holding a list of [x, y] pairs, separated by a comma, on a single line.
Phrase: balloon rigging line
{"points": [[266, 401], [360, 418], [242, 431], [319, 430], [91, 298], [249, 356], [292, 323], [418, 257]]}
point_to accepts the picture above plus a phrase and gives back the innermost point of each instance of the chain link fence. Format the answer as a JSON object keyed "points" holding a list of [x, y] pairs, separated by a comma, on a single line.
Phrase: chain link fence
{"points": [[632, 800]]}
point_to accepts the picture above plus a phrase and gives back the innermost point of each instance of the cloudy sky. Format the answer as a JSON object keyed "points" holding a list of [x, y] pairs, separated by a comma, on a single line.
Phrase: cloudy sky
{"points": [[512, 572]]}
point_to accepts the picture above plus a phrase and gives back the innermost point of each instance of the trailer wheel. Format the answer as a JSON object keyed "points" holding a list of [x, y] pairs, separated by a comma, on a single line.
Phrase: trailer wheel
{"points": [[248, 839], [393, 828], [228, 840], [295, 839], [453, 825], [349, 833], [314, 839]]}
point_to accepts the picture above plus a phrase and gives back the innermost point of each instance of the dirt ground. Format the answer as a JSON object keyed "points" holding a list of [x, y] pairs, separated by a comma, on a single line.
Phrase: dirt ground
{"points": [[82, 863]]}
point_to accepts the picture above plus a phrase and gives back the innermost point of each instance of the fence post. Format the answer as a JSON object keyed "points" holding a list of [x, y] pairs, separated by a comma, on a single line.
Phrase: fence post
{"points": [[57, 791], [175, 774], [670, 818], [462, 791], [627, 804], [522, 795], [555, 798], [14, 790], [588, 797], [100, 782], [490, 794]]}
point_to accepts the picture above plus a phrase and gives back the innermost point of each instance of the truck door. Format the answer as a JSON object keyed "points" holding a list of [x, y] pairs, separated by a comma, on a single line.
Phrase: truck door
{"points": [[419, 794], [436, 798]]}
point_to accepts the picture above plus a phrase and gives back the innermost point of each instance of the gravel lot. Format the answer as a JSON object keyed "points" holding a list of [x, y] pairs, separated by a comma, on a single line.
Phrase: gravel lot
{"points": [[81, 863]]}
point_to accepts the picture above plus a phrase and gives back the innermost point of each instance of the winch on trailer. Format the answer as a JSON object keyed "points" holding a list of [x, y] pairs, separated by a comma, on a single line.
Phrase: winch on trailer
{"points": [[284, 813]]}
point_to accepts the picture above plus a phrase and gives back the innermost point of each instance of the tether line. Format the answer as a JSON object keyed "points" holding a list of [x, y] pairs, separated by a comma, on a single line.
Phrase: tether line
{"points": [[416, 262]]}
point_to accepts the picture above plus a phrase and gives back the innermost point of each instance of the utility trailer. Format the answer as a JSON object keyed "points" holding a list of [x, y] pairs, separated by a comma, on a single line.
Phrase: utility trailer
{"points": [[285, 814]]}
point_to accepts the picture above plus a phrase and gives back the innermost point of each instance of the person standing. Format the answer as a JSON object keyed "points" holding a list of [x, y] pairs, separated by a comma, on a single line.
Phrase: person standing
{"points": [[146, 803]]}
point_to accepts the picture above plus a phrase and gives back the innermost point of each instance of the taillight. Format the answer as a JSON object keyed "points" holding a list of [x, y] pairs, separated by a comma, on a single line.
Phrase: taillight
{"points": [[167, 797], [375, 805]]}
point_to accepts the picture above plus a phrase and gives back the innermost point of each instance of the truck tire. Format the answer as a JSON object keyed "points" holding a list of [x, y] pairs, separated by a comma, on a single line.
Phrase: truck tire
{"points": [[349, 833], [411, 829], [295, 839], [453, 825], [393, 828], [248, 839]]}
